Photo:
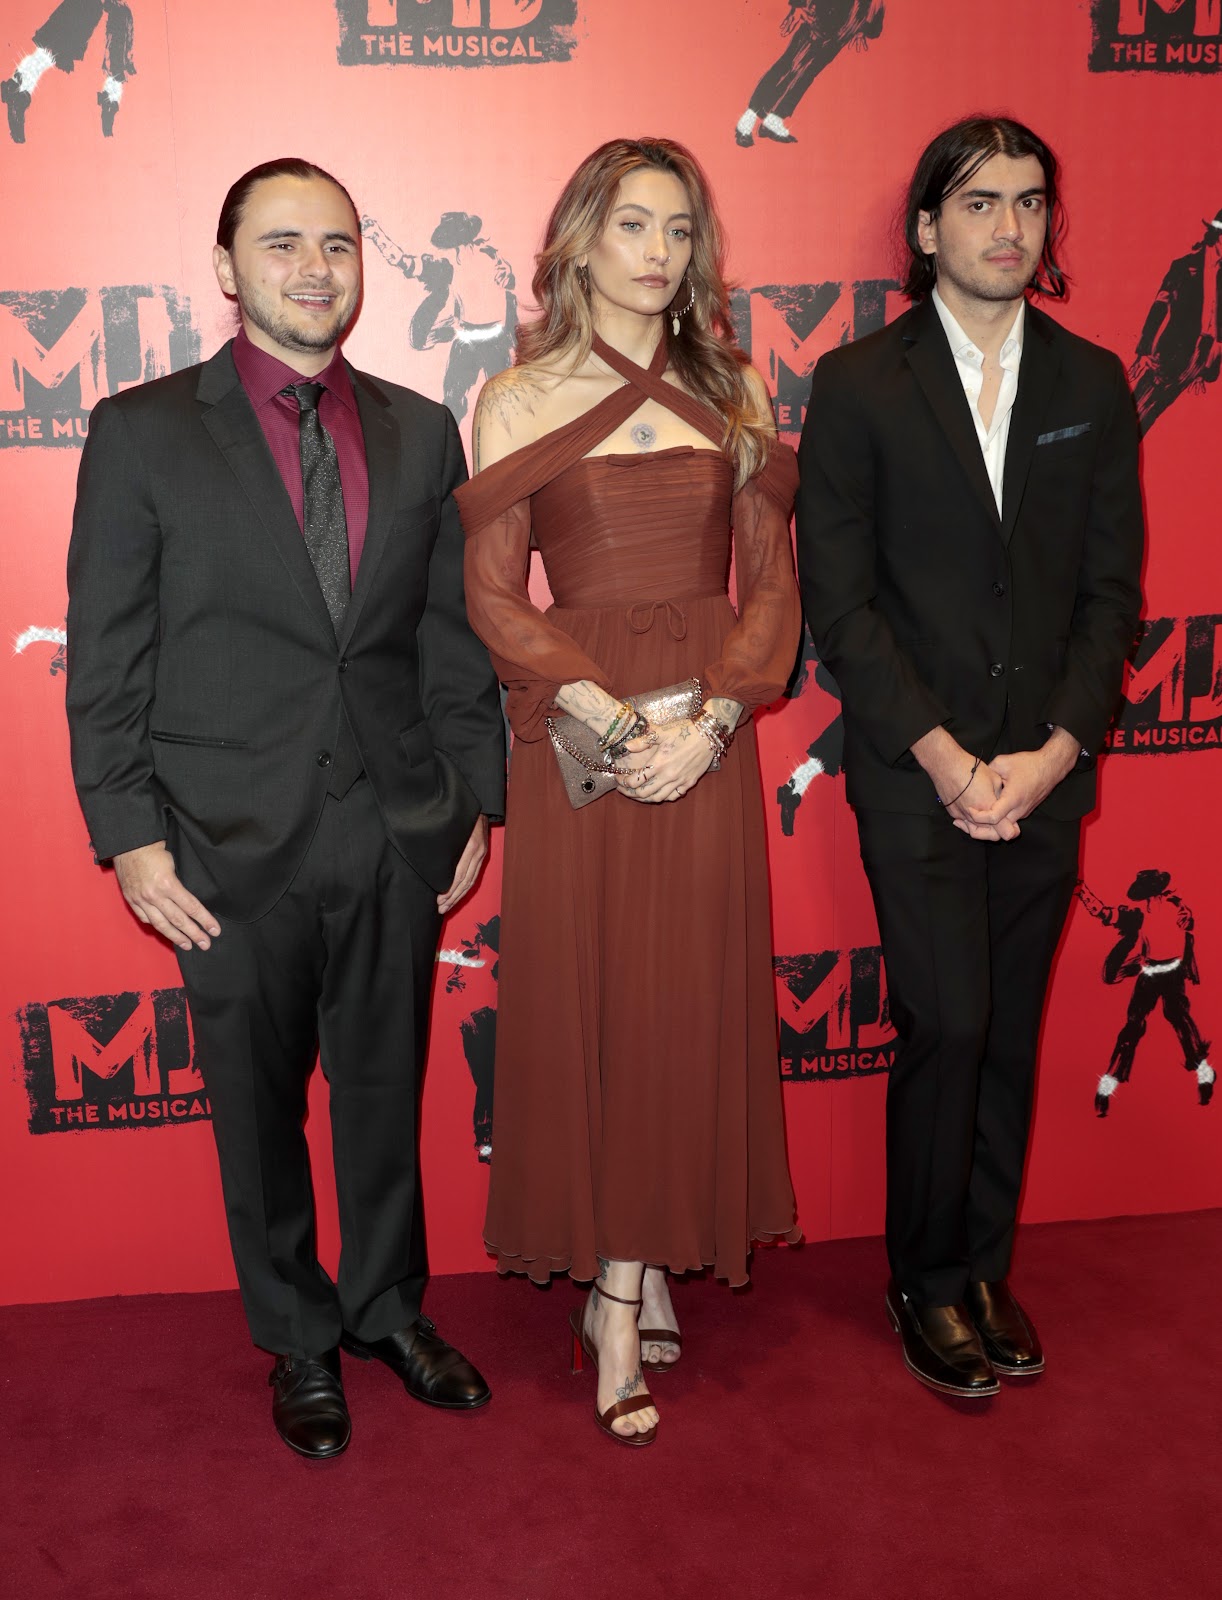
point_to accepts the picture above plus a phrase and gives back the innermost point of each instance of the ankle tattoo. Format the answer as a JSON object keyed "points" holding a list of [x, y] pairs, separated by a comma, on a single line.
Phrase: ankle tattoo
{"points": [[625, 1390]]}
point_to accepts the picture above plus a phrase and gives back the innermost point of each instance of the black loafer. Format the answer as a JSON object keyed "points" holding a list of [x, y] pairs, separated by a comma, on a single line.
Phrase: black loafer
{"points": [[941, 1347], [1011, 1342], [308, 1405], [430, 1369]]}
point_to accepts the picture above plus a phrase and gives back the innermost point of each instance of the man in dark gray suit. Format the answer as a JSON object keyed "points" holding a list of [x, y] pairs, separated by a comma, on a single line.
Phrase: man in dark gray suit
{"points": [[289, 743], [969, 545]]}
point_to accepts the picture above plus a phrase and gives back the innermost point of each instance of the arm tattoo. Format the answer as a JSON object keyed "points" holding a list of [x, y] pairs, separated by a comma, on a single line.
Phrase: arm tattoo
{"points": [[727, 711]]}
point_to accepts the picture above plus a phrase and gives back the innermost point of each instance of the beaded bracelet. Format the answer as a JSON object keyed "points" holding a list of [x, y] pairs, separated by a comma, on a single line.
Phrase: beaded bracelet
{"points": [[608, 738]]}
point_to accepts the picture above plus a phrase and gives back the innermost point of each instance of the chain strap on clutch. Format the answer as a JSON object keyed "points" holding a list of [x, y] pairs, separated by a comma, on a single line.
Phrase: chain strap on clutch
{"points": [[588, 771]]}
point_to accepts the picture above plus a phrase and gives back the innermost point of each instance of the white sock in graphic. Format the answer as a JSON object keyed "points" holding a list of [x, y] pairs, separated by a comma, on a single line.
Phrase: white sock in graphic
{"points": [[28, 72], [1205, 1073], [774, 124], [1107, 1085], [801, 776], [746, 123], [113, 90]]}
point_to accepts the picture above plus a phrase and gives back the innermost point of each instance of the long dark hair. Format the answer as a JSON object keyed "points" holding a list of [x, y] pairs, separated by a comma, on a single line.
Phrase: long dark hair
{"points": [[949, 162], [704, 353], [282, 167]]}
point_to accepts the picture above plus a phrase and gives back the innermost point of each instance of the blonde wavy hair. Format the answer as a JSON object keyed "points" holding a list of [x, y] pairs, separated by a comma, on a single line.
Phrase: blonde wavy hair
{"points": [[704, 353]]}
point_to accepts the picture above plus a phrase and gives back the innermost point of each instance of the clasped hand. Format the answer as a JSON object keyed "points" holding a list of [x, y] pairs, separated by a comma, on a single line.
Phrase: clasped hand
{"points": [[1010, 787], [664, 763]]}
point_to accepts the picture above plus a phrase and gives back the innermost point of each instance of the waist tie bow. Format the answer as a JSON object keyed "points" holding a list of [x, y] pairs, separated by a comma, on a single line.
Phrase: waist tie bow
{"points": [[642, 615]]}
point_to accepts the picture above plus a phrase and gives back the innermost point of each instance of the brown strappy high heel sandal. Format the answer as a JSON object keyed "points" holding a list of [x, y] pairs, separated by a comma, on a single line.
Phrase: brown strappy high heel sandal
{"points": [[659, 1336], [621, 1408]]}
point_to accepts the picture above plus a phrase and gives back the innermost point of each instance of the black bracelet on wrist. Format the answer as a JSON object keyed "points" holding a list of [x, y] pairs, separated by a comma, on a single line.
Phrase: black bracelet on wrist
{"points": [[970, 778]]}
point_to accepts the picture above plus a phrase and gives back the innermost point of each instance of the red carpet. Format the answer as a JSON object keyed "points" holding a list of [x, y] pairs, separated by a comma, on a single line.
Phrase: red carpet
{"points": [[796, 1457]]}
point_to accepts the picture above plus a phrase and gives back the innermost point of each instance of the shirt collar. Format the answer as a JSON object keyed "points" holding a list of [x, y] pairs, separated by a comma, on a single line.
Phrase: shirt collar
{"points": [[962, 346], [264, 375]]}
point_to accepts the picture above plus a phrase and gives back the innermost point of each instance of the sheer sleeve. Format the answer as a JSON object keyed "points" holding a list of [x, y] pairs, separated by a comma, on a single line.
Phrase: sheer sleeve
{"points": [[758, 654], [531, 655]]}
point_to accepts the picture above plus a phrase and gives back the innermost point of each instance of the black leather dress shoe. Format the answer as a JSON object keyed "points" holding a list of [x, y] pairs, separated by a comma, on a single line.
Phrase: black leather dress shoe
{"points": [[1012, 1344], [308, 1405], [431, 1369], [941, 1347]]}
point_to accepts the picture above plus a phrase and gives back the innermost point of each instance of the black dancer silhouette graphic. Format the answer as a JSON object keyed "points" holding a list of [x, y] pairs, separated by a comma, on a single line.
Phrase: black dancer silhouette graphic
{"points": [[61, 42], [825, 753], [1154, 945], [818, 31], [1180, 347], [478, 1032], [469, 301]]}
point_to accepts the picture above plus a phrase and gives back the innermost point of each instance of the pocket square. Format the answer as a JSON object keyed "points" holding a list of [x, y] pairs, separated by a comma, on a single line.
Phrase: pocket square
{"points": [[1063, 433]]}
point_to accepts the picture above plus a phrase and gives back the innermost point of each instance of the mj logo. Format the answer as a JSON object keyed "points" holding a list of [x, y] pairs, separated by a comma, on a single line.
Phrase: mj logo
{"points": [[62, 350], [456, 33], [1156, 35], [834, 1014], [110, 1061]]}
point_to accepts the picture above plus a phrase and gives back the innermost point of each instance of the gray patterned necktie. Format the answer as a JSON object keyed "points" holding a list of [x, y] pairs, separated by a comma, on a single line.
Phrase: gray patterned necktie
{"points": [[326, 526]]}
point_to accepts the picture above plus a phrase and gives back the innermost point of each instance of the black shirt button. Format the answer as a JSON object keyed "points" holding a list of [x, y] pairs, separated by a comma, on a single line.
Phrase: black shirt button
{"points": [[999, 589], [995, 671], [324, 758]]}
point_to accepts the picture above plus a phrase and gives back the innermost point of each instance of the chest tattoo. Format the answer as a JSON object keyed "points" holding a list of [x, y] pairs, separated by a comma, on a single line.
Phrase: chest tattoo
{"points": [[644, 435]]}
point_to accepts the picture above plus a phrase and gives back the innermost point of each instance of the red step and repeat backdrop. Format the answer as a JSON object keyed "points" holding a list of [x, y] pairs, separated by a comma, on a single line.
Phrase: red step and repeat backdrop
{"points": [[454, 122]]}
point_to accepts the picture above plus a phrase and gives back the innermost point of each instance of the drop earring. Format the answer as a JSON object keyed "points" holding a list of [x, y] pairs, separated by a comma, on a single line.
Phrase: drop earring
{"points": [[675, 315]]}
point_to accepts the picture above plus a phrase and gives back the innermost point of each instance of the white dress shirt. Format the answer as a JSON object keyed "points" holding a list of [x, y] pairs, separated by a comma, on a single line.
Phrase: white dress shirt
{"points": [[969, 360]]}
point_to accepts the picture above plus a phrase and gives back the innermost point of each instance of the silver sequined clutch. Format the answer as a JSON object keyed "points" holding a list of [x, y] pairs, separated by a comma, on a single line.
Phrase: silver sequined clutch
{"points": [[588, 772]]}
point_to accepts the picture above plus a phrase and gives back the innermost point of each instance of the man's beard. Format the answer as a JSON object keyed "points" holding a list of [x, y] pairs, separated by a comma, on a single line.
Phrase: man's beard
{"points": [[288, 335], [981, 287]]}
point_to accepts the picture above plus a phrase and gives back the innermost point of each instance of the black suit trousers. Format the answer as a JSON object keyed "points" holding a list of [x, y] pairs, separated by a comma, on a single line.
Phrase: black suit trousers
{"points": [[969, 931], [342, 963]]}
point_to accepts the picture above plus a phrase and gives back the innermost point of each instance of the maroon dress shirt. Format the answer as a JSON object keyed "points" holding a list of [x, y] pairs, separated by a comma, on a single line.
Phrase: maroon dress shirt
{"points": [[263, 376]]}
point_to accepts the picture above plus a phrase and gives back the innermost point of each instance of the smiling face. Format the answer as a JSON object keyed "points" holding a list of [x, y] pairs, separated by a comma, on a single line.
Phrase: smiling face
{"points": [[639, 262], [988, 235], [295, 268]]}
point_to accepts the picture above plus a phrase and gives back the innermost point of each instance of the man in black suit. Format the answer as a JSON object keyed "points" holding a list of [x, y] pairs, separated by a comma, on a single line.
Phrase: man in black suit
{"points": [[969, 543], [288, 742]]}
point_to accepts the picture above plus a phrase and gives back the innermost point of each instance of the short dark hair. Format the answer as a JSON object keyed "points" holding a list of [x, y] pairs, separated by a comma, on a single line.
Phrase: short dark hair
{"points": [[948, 163], [283, 167]]}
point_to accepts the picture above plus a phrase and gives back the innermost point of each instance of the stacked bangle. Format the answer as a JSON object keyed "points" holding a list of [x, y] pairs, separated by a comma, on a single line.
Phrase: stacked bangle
{"points": [[637, 727], [718, 735], [626, 708]]}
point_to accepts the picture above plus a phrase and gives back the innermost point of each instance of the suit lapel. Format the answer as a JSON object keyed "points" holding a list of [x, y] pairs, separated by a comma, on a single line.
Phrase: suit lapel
{"points": [[382, 456], [1037, 376], [231, 421], [933, 365]]}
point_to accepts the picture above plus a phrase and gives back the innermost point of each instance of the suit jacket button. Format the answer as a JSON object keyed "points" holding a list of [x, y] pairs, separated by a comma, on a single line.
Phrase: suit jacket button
{"points": [[324, 758], [999, 589], [995, 671], [343, 663]]}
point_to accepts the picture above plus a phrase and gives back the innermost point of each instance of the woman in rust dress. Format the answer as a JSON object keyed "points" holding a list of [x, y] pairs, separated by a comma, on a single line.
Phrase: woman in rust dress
{"points": [[638, 1124]]}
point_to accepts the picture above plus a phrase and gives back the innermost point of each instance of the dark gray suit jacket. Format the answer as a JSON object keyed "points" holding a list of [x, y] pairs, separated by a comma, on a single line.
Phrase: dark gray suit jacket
{"points": [[929, 608], [206, 686]]}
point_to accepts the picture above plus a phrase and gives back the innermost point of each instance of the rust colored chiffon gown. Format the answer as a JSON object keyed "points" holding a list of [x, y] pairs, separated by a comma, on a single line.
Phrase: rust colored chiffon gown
{"points": [[637, 1111]]}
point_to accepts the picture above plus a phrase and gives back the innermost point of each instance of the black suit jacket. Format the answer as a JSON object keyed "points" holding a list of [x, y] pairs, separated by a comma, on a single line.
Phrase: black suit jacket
{"points": [[926, 606], [206, 686]]}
